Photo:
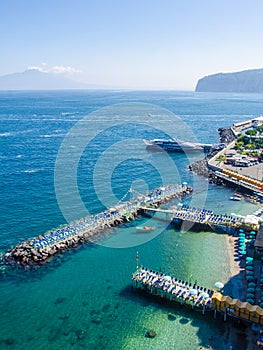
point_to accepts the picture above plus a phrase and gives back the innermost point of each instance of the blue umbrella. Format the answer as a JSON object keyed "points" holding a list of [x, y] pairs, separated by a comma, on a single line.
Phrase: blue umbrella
{"points": [[249, 278], [250, 295], [250, 273], [251, 301]]}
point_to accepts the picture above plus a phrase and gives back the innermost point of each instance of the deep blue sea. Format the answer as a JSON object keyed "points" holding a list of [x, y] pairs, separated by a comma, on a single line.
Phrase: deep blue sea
{"points": [[68, 154]]}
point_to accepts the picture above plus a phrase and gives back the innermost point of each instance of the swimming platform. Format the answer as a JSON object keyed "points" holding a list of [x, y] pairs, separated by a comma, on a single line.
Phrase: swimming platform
{"points": [[173, 289], [205, 219]]}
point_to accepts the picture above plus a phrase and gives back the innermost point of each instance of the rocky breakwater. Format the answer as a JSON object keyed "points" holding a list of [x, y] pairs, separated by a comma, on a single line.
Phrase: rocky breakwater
{"points": [[41, 249], [200, 167], [226, 135]]}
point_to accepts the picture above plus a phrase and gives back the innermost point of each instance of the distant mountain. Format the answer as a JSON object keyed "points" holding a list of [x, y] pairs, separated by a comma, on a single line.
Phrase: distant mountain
{"points": [[245, 81], [33, 79]]}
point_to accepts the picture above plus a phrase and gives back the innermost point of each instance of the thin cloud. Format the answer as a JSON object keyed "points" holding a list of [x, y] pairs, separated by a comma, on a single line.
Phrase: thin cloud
{"points": [[55, 69]]}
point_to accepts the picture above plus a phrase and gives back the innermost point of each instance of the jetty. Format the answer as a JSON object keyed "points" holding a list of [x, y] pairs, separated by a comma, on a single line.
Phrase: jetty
{"points": [[41, 249], [205, 219], [197, 297]]}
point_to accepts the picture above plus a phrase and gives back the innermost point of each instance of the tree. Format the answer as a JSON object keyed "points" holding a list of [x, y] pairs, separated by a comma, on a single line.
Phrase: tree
{"points": [[251, 132], [260, 129]]}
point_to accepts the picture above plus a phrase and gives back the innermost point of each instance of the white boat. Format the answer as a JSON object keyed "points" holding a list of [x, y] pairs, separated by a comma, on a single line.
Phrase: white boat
{"points": [[236, 197], [173, 145], [145, 228]]}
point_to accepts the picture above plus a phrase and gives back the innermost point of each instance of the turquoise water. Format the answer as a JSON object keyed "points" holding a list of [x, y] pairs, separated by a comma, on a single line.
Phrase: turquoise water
{"points": [[83, 299]]}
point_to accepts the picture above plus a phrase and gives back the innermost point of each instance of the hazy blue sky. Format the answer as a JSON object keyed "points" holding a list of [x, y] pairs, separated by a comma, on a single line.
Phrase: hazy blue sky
{"points": [[132, 43]]}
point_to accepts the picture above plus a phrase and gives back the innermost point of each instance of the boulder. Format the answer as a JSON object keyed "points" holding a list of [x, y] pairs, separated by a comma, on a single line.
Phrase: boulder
{"points": [[150, 334]]}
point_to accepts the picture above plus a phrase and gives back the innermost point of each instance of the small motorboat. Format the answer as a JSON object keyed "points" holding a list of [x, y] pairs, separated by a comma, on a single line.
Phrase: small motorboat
{"points": [[236, 197], [145, 228]]}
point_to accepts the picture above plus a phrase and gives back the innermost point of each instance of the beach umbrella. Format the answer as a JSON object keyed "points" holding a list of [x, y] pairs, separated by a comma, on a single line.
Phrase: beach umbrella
{"points": [[253, 233], [248, 258], [249, 268], [193, 291], [242, 252], [249, 263], [167, 278], [250, 295], [251, 301], [204, 295], [219, 285], [251, 289], [250, 278], [251, 284], [260, 341], [250, 273]]}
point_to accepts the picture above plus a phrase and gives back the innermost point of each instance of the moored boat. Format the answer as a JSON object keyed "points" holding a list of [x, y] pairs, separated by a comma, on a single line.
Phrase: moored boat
{"points": [[236, 197], [145, 228]]}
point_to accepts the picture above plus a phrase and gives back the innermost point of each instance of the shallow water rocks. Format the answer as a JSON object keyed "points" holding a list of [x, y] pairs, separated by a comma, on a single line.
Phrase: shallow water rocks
{"points": [[226, 135], [150, 334]]}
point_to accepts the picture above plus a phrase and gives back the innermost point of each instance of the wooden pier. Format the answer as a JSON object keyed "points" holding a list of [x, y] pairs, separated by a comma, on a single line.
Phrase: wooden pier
{"points": [[203, 219], [89, 229], [161, 285]]}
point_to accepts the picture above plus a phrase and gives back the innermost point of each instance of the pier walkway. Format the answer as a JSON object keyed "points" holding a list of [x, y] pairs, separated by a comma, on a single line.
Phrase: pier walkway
{"points": [[161, 285], [205, 217], [43, 247]]}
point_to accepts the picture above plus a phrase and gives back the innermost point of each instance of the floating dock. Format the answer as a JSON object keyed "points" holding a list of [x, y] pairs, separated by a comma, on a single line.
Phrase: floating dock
{"points": [[164, 286], [42, 248]]}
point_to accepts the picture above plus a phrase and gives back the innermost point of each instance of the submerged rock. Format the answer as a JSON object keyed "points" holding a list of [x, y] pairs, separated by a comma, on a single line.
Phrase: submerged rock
{"points": [[150, 334], [60, 301], [96, 320]]}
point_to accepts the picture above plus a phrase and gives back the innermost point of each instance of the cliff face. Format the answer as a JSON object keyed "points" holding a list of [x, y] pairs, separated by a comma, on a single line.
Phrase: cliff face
{"points": [[245, 81]]}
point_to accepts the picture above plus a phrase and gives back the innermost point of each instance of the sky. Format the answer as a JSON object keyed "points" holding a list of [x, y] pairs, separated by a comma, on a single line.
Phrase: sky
{"points": [[138, 44]]}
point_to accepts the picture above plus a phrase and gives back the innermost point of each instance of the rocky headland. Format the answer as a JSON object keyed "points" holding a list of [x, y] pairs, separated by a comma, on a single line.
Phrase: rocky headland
{"points": [[248, 81]]}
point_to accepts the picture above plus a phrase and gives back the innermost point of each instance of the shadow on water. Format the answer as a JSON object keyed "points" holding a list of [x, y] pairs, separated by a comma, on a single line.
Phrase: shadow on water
{"points": [[211, 331]]}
